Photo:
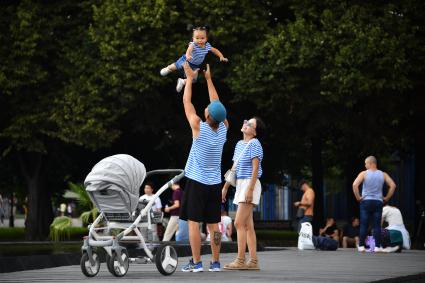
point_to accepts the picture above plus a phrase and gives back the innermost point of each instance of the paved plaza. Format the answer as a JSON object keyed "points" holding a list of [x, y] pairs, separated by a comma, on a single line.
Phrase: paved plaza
{"points": [[288, 265]]}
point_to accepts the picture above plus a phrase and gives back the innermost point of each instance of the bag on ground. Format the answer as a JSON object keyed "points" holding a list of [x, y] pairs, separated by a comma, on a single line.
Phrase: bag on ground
{"points": [[305, 238]]}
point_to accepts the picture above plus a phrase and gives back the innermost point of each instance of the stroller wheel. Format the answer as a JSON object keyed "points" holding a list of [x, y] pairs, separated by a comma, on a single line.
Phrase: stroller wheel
{"points": [[108, 265], [87, 268], [166, 259], [115, 267]]}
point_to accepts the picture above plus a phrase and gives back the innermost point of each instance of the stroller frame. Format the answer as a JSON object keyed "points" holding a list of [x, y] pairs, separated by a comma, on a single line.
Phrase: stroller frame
{"points": [[117, 258]]}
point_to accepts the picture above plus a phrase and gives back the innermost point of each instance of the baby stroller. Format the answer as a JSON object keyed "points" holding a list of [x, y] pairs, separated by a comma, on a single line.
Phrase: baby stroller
{"points": [[113, 186]]}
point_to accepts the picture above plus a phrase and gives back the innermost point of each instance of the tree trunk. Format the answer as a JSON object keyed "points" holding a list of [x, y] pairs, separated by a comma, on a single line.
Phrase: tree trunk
{"points": [[39, 203], [317, 171]]}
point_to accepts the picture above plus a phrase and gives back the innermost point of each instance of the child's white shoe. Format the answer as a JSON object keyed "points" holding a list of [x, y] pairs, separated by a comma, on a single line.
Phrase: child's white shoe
{"points": [[391, 249], [165, 71], [180, 84], [378, 250]]}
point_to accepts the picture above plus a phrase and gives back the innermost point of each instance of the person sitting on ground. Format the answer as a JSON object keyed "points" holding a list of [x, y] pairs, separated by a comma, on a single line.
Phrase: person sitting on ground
{"points": [[393, 217], [182, 233], [225, 227], [351, 232], [330, 230]]}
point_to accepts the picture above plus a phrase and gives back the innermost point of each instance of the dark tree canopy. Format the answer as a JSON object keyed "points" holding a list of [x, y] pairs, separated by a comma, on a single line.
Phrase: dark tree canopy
{"points": [[334, 81]]}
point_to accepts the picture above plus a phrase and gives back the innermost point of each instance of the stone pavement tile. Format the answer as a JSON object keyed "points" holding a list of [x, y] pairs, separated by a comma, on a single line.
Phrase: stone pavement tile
{"points": [[289, 265]]}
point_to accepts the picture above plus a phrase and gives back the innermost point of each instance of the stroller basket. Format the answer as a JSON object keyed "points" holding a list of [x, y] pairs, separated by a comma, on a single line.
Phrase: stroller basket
{"points": [[156, 217], [118, 217]]}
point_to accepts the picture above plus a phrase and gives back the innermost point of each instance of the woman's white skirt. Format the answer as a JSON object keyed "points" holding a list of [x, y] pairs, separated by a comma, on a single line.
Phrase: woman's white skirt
{"points": [[242, 187]]}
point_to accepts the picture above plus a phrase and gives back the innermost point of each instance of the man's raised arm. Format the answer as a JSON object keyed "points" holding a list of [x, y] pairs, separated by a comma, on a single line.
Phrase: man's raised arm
{"points": [[189, 109], [212, 92]]}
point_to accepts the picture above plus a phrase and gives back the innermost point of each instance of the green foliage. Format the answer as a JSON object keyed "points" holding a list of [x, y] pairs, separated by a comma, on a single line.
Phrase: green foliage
{"points": [[80, 76], [59, 229], [8, 234], [336, 67], [84, 202], [12, 234], [89, 216]]}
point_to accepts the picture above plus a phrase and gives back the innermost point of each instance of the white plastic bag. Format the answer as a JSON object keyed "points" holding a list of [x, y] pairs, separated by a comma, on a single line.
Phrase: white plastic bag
{"points": [[305, 238]]}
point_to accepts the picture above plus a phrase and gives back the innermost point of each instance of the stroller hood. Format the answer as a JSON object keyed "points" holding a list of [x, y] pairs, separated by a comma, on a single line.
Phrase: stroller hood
{"points": [[122, 170]]}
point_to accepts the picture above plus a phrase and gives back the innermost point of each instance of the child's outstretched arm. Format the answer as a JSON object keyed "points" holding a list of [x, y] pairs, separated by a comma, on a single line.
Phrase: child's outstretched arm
{"points": [[189, 52], [218, 54]]}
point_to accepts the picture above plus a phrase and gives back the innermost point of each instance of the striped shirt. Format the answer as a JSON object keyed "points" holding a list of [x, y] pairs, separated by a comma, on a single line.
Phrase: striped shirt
{"points": [[244, 168], [199, 53], [204, 162]]}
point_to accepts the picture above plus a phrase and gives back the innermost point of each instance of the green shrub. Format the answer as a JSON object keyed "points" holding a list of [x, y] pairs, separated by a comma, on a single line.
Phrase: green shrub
{"points": [[58, 228], [18, 234], [84, 203], [12, 234], [77, 233]]}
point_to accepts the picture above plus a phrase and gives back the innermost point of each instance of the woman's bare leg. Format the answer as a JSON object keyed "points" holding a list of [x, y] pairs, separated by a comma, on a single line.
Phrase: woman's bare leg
{"points": [[241, 220], [250, 234]]}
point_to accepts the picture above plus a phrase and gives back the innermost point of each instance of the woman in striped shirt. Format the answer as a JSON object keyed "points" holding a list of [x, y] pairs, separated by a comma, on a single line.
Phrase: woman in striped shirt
{"points": [[195, 55], [248, 192]]}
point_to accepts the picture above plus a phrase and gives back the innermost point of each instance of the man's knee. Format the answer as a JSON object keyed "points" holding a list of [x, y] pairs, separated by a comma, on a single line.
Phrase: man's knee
{"points": [[217, 238]]}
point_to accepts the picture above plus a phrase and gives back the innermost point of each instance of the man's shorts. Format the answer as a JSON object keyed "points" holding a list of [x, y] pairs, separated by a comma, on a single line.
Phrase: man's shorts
{"points": [[201, 203]]}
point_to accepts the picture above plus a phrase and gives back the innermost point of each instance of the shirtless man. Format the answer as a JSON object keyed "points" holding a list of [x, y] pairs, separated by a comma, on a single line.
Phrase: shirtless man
{"points": [[306, 205]]}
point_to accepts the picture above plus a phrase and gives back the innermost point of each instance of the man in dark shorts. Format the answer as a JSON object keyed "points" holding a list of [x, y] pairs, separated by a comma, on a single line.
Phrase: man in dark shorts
{"points": [[202, 195], [351, 233]]}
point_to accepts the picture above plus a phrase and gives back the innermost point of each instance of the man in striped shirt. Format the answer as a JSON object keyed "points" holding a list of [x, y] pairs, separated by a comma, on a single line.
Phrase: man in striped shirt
{"points": [[202, 196]]}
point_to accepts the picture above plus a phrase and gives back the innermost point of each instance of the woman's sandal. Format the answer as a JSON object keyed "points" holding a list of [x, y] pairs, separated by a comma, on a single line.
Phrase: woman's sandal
{"points": [[253, 264], [237, 264]]}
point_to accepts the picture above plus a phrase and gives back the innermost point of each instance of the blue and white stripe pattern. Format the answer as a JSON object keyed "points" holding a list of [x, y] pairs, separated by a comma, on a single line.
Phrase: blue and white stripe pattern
{"points": [[204, 162], [199, 53], [244, 167]]}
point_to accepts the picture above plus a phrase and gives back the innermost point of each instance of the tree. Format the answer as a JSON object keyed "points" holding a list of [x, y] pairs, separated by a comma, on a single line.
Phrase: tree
{"points": [[333, 63], [39, 81]]}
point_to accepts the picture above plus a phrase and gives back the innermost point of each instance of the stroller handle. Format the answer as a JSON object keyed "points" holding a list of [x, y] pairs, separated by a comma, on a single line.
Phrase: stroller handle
{"points": [[167, 185], [177, 178]]}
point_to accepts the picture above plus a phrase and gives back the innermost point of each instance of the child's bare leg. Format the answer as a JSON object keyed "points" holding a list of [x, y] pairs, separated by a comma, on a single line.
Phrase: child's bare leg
{"points": [[170, 68]]}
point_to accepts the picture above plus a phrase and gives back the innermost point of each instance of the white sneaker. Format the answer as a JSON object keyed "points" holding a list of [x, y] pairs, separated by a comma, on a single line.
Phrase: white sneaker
{"points": [[390, 249], [361, 249], [378, 250], [180, 84], [165, 71]]}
